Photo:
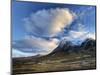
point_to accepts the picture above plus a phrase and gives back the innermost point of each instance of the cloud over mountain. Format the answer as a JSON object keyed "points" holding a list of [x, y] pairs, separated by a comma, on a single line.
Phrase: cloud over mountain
{"points": [[35, 45]]}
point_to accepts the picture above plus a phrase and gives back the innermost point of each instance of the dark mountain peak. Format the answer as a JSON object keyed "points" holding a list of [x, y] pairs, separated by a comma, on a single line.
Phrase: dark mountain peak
{"points": [[66, 47], [65, 42], [89, 42], [89, 39], [63, 47]]}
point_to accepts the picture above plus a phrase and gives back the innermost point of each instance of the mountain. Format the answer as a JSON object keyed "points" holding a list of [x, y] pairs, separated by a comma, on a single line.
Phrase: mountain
{"points": [[89, 46], [67, 47], [88, 43], [63, 46]]}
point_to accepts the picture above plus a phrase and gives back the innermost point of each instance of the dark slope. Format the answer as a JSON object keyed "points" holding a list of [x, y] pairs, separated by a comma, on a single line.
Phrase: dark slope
{"points": [[87, 46]]}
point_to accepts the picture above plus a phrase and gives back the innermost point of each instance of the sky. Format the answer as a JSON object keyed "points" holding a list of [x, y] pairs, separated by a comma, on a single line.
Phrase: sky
{"points": [[38, 28]]}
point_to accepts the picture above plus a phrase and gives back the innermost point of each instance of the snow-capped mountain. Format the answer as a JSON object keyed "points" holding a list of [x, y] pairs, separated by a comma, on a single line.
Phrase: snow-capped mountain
{"points": [[68, 47]]}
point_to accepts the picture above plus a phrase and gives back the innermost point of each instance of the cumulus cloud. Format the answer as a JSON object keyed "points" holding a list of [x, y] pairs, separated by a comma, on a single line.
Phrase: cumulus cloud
{"points": [[48, 22], [17, 53], [91, 35], [77, 34], [77, 37], [36, 45]]}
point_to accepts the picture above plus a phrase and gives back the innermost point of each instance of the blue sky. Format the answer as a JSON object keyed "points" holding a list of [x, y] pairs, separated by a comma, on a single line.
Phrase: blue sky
{"points": [[35, 25]]}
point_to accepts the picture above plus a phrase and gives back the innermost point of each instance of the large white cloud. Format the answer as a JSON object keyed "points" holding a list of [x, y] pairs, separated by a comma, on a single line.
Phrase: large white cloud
{"points": [[77, 37], [91, 35], [17, 53], [77, 34], [36, 45], [48, 22]]}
